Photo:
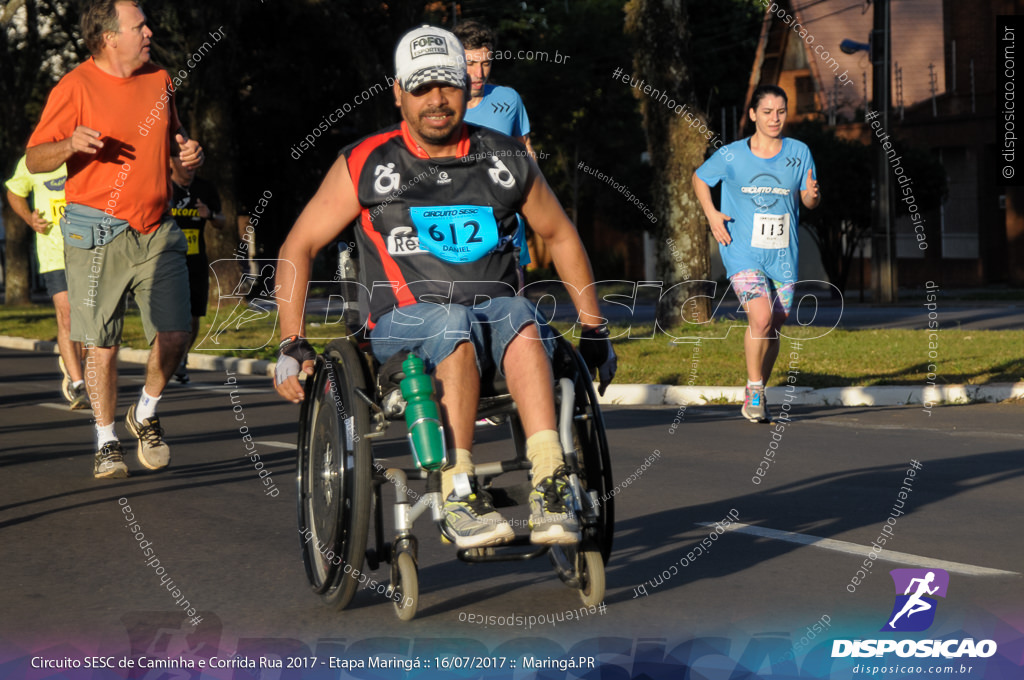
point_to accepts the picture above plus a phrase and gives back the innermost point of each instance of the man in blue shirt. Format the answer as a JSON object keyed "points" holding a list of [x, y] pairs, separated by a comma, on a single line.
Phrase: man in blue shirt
{"points": [[493, 106]]}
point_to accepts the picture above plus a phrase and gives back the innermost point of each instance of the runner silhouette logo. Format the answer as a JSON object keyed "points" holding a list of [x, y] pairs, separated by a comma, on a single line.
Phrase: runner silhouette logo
{"points": [[916, 590]]}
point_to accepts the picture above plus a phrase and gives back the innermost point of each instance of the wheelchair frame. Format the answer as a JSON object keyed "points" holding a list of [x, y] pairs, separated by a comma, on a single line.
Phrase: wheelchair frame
{"points": [[339, 483]]}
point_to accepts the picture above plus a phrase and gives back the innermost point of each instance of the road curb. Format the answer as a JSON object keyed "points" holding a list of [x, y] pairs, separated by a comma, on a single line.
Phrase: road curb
{"points": [[199, 361], [650, 395], [883, 395]]}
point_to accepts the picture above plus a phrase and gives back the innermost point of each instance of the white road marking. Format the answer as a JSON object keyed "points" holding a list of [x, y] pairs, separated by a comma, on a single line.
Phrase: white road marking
{"points": [[280, 445], [63, 406], [974, 434], [862, 551], [216, 387], [228, 388]]}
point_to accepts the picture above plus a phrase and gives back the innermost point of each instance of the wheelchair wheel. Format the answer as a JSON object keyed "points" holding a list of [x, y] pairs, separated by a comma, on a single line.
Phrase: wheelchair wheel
{"points": [[405, 583], [334, 474], [582, 566], [593, 455], [580, 569], [591, 567]]}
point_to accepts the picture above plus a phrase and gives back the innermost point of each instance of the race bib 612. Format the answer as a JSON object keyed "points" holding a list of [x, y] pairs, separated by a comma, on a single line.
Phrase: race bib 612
{"points": [[456, 233]]}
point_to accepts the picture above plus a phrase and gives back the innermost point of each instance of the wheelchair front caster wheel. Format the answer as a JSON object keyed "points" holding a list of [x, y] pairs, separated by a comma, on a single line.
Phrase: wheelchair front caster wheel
{"points": [[591, 573], [405, 586]]}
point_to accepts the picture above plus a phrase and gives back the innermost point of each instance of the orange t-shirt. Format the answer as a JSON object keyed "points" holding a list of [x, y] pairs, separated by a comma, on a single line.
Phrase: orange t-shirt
{"points": [[129, 178]]}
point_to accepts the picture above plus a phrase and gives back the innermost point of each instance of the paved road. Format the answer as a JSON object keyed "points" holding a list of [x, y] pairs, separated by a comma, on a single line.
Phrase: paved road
{"points": [[74, 580]]}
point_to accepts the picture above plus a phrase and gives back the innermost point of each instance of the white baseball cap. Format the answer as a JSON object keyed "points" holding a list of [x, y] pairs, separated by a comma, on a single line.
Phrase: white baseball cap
{"points": [[429, 54]]}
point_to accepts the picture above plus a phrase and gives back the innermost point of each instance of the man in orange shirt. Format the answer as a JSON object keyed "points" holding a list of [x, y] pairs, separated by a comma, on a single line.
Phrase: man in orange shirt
{"points": [[113, 121]]}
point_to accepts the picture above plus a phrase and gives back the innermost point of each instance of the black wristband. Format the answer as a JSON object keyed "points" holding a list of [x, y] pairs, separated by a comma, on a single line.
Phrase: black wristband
{"points": [[599, 333], [297, 348], [289, 340]]}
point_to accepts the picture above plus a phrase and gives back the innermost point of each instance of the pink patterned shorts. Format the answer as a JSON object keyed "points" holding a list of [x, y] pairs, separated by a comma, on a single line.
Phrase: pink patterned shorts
{"points": [[754, 283]]}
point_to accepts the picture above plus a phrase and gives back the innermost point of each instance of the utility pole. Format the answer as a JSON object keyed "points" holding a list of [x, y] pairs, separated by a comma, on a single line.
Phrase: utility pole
{"points": [[883, 240]]}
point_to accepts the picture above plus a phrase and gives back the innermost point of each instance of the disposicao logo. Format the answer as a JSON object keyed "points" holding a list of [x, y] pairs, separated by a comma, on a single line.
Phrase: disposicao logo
{"points": [[914, 611]]}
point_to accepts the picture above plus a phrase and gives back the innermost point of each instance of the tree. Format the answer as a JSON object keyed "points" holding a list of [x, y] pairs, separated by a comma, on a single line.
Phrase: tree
{"points": [[35, 39], [662, 62], [840, 224], [248, 98], [281, 68], [722, 50], [578, 112], [276, 72]]}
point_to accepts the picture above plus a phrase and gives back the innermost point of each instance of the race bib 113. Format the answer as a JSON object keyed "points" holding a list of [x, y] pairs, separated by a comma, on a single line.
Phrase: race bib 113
{"points": [[770, 231]]}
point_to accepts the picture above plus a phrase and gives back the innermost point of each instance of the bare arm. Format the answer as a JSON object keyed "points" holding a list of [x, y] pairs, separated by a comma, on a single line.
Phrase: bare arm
{"points": [[811, 196], [715, 218], [216, 218], [525, 139], [333, 207], [49, 156], [544, 213], [19, 204], [188, 150]]}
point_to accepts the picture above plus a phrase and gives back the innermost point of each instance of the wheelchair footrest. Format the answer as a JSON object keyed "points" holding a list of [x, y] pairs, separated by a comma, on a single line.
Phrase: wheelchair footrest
{"points": [[508, 552]]}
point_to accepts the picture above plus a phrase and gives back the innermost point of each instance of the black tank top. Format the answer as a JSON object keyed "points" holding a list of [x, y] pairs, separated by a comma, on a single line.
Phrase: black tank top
{"points": [[437, 230]]}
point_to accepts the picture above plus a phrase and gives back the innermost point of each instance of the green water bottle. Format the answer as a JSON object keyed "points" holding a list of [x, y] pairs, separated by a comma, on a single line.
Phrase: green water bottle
{"points": [[426, 435]]}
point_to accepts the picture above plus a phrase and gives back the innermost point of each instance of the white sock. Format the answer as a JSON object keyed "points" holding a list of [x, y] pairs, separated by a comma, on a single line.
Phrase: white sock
{"points": [[78, 383], [146, 407], [104, 434], [759, 383]]}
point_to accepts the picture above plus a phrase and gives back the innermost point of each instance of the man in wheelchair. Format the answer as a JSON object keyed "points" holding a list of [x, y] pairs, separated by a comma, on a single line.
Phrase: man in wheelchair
{"points": [[434, 202]]}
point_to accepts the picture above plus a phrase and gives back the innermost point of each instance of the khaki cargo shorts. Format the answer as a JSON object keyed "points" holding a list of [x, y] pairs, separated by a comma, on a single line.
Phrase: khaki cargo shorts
{"points": [[151, 266]]}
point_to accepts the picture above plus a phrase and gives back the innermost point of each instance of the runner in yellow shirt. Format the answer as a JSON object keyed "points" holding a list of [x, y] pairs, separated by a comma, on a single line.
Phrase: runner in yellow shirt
{"points": [[47, 191]]}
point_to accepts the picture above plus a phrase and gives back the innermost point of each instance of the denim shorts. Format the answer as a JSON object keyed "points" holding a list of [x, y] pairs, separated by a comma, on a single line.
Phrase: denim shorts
{"points": [[432, 332], [56, 282]]}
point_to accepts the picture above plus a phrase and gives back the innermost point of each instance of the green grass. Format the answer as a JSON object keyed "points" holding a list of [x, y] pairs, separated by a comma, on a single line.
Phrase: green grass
{"points": [[839, 358], [39, 322]]}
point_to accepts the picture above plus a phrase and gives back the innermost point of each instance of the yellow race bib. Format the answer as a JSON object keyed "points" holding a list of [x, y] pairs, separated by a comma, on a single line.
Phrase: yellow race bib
{"points": [[193, 241], [56, 210]]}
